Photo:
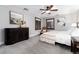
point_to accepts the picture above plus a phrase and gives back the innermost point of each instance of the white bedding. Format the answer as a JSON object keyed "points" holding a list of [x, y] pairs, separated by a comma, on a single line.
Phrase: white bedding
{"points": [[62, 37]]}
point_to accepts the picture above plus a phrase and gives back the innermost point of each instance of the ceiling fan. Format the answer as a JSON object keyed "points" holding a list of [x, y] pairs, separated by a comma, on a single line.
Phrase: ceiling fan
{"points": [[48, 9]]}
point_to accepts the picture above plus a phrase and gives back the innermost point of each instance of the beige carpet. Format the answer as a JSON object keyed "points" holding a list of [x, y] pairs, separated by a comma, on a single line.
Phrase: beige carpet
{"points": [[34, 46]]}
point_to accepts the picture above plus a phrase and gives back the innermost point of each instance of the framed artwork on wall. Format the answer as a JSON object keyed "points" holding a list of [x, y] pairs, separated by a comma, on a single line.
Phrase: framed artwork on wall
{"points": [[15, 18]]}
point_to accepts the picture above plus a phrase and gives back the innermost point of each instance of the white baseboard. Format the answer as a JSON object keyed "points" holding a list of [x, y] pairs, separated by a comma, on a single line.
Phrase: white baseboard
{"points": [[1, 43]]}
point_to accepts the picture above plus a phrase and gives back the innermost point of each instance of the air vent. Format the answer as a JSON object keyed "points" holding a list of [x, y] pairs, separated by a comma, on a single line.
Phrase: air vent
{"points": [[26, 9]]}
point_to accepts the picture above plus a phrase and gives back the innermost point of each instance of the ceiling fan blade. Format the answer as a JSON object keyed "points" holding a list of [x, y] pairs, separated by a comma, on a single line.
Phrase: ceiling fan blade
{"points": [[43, 13], [49, 13], [49, 7], [42, 9], [54, 10]]}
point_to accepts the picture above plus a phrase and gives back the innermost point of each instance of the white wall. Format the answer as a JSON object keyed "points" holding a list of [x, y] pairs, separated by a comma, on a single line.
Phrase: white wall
{"points": [[43, 22], [4, 21], [68, 19]]}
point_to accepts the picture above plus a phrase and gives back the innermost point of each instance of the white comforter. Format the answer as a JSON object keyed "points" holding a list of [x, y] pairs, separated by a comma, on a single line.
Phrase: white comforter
{"points": [[62, 37]]}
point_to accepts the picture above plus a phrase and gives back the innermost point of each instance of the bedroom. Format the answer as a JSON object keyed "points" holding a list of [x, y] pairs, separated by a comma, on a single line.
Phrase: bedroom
{"points": [[63, 25]]}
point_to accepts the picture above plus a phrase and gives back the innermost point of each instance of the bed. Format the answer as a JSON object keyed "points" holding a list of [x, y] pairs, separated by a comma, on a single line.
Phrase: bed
{"points": [[63, 37]]}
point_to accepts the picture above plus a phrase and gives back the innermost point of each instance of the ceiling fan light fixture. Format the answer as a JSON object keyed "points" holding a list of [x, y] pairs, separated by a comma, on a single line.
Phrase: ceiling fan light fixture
{"points": [[48, 11]]}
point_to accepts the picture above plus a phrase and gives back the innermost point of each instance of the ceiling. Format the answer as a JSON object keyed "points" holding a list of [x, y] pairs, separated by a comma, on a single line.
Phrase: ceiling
{"points": [[62, 9]]}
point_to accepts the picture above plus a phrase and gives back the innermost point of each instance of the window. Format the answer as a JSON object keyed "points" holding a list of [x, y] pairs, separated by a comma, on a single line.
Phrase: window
{"points": [[50, 23], [37, 23]]}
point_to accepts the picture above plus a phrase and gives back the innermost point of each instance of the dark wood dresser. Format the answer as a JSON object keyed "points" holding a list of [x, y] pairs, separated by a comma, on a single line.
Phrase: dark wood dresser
{"points": [[14, 35]]}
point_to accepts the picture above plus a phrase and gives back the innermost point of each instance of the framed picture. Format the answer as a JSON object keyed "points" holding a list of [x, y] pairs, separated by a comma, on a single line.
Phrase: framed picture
{"points": [[15, 17]]}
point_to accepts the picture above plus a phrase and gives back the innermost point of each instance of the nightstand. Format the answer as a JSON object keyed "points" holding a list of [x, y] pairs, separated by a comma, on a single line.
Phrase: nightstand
{"points": [[74, 44]]}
